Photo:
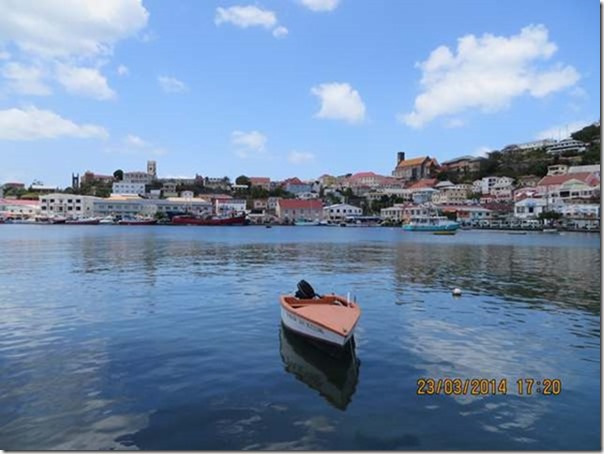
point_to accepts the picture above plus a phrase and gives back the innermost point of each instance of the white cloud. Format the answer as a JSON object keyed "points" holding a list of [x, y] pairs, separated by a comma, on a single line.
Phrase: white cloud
{"points": [[135, 141], [339, 101], [31, 123], [122, 70], [25, 80], [487, 73], [280, 32], [172, 85], [300, 157], [248, 143], [69, 34], [88, 82], [562, 131], [4, 55], [64, 28], [320, 5], [246, 16], [455, 123]]}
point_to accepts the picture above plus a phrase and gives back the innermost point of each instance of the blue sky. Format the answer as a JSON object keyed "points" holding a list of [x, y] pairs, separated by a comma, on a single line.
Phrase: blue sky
{"points": [[288, 87]]}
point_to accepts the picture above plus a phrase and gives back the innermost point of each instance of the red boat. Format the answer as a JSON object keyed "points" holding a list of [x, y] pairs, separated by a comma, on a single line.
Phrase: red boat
{"points": [[194, 220]]}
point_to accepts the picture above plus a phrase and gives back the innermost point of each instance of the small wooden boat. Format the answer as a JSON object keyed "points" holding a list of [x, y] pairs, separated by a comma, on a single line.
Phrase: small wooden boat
{"points": [[444, 232], [329, 318]]}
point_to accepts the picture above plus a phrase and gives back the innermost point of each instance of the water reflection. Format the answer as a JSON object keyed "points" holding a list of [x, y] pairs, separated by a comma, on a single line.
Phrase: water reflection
{"points": [[335, 378]]}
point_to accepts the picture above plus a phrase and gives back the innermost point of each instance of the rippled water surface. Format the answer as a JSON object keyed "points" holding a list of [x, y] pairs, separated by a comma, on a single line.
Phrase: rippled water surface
{"points": [[170, 338]]}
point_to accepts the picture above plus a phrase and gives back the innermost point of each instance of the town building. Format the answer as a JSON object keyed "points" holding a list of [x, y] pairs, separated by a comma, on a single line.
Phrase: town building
{"points": [[296, 186], [272, 203], [260, 204], [125, 187], [451, 194], [579, 185], [567, 146], [529, 208], [91, 177], [228, 207], [292, 209], [262, 182], [340, 211], [462, 165], [414, 169], [69, 205], [19, 208], [125, 206]]}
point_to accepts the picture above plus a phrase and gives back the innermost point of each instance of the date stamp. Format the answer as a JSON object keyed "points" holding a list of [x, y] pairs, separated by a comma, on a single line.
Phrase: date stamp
{"points": [[488, 386]]}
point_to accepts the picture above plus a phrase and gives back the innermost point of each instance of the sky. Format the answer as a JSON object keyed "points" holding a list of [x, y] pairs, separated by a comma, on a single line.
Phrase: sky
{"points": [[284, 88]]}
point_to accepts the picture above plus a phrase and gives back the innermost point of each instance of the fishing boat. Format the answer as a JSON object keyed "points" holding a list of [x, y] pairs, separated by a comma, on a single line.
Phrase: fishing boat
{"points": [[430, 224], [331, 319], [198, 220], [137, 221], [83, 221], [333, 377], [306, 222]]}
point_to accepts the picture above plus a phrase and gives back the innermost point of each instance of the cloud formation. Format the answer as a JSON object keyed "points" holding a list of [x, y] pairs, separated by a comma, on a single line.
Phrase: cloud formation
{"points": [[320, 5], [486, 73], [248, 143], [339, 101], [31, 123], [172, 85], [63, 36], [250, 16], [88, 82]]}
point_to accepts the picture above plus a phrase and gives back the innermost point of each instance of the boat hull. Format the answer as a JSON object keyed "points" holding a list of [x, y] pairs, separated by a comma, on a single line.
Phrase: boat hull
{"points": [[191, 220], [312, 330], [137, 222], [431, 228]]}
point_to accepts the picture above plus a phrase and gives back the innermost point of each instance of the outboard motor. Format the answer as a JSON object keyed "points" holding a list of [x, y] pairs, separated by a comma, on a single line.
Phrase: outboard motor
{"points": [[305, 291]]}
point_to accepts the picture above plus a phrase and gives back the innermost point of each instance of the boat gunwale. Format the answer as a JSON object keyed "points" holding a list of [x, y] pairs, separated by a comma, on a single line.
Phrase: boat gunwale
{"points": [[319, 301]]}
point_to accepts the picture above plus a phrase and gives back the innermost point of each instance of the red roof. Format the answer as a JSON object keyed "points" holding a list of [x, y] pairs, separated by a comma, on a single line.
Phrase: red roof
{"points": [[363, 175], [260, 180], [586, 177], [294, 180], [425, 183], [295, 204]]}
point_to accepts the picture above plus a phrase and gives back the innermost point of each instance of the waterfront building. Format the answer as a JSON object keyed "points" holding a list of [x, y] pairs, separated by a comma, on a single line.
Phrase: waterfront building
{"points": [[340, 211], [272, 203], [132, 206], [530, 208], [126, 187], [468, 214], [414, 169], [567, 146], [404, 211], [228, 207], [292, 209], [70, 205], [19, 208], [260, 204]]}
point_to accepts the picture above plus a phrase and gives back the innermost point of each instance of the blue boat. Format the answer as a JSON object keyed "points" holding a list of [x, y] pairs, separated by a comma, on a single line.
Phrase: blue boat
{"points": [[431, 224]]}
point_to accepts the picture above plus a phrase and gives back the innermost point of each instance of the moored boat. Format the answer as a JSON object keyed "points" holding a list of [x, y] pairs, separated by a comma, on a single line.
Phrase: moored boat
{"points": [[306, 222], [137, 221], [444, 232], [330, 318], [196, 220], [83, 221], [430, 224]]}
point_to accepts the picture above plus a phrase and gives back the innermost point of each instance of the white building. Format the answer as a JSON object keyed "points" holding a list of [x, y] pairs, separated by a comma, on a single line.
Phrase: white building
{"points": [[452, 194], [132, 206], [529, 208], [19, 208], [228, 207], [340, 211], [567, 145], [128, 188], [69, 205]]}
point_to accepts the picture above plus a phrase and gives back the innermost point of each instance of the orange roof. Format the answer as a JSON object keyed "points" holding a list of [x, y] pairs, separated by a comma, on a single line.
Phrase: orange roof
{"points": [[413, 162], [294, 180], [295, 204], [586, 177], [260, 180], [425, 183]]}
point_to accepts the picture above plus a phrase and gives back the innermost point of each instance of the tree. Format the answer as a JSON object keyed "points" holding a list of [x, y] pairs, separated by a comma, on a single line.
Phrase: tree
{"points": [[242, 179], [118, 175]]}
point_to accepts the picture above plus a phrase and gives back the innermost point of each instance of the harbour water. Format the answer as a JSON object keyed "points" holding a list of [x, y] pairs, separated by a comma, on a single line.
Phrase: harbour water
{"points": [[170, 338]]}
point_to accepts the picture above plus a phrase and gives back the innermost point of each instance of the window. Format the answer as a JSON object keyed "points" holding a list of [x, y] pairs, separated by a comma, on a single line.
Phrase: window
{"points": [[77, 208], [78, 200], [69, 208]]}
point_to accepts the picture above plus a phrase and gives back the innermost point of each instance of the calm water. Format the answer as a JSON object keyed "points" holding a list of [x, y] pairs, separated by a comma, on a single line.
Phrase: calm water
{"points": [[170, 338]]}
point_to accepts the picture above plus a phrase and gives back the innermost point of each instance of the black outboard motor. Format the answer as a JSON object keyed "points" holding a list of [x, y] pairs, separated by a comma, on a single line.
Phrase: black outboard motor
{"points": [[305, 291]]}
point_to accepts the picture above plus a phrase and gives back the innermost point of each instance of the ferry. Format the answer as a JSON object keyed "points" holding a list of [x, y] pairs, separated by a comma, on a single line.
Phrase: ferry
{"points": [[430, 224]]}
